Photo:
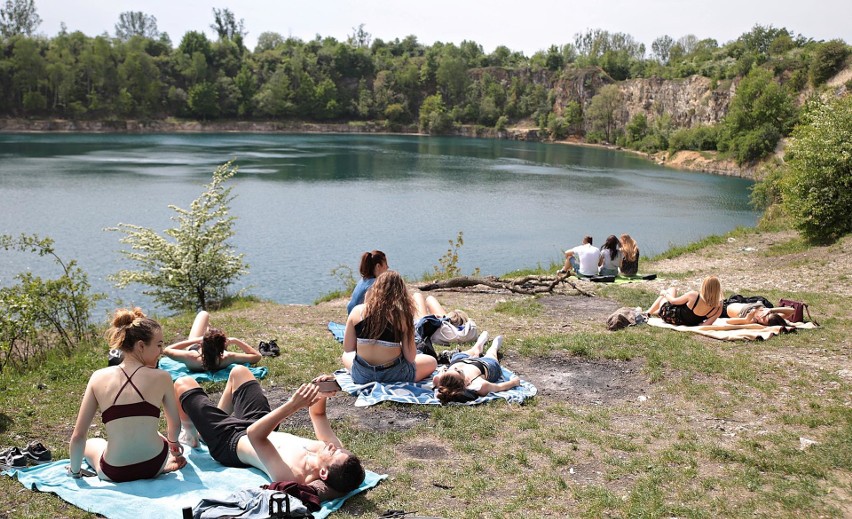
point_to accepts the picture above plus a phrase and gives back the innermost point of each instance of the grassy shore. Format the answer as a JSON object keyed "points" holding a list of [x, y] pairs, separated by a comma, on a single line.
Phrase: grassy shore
{"points": [[640, 423]]}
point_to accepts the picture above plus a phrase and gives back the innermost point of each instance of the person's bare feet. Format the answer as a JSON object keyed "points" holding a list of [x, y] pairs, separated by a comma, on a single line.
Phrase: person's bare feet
{"points": [[476, 349], [174, 463], [188, 435], [494, 350]]}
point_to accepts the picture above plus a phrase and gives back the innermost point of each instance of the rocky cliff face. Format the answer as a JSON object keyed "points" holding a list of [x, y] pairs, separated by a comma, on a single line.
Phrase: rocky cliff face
{"points": [[689, 102]]}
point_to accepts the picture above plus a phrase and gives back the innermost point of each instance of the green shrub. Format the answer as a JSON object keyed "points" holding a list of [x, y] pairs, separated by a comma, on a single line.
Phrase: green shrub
{"points": [[195, 269], [698, 138], [43, 314], [827, 61], [818, 190], [760, 113], [501, 123], [768, 190], [396, 113]]}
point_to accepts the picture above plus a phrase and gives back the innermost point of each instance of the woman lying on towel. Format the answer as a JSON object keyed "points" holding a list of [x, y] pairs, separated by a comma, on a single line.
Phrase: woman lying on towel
{"points": [[472, 374], [205, 349], [748, 313], [378, 342], [693, 308], [130, 396]]}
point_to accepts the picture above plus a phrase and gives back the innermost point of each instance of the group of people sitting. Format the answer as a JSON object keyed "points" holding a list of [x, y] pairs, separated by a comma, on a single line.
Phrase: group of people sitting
{"points": [[617, 256], [379, 339], [239, 430]]}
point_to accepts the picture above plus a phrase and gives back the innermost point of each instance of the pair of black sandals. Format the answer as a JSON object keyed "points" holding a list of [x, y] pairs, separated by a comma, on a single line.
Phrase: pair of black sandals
{"points": [[269, 349], [33, 454]]}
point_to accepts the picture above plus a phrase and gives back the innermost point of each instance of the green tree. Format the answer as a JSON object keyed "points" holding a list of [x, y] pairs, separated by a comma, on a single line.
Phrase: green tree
{"points": [[139, 76], [760, 113], [600, 115], [136, 23], [451, 77], [818, 189], [661, 47], [203, 100], [275, 97], [636, 129], [827, 60], [195, 268], [433, 115], [227, 27], [18, 17]]}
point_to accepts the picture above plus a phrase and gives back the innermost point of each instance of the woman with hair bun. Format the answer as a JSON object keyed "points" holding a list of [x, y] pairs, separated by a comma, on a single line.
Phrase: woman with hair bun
{"points": [[373, 263], [206, 348], [130, 397]]}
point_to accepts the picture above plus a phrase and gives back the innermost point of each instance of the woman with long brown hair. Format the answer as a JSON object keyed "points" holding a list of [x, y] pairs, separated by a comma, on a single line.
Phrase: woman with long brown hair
{"points": [[378, 342], [130, 397]]}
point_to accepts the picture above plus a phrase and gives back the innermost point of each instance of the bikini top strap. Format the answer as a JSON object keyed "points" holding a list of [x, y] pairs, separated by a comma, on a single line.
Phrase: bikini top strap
{"points": [[126, 382]]}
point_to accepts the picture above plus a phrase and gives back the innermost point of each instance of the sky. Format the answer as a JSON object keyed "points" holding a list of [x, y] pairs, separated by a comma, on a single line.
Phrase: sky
{"points": [[522, 25]]}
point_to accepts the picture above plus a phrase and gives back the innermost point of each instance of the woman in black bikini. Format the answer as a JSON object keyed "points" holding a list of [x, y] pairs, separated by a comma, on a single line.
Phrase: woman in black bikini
{"points": [[472, 374], [692, 308], [130, 396]]}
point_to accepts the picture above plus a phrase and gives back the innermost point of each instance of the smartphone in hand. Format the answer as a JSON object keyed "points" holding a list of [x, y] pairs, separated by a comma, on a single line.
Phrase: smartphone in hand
{"points": [[328, 386]]}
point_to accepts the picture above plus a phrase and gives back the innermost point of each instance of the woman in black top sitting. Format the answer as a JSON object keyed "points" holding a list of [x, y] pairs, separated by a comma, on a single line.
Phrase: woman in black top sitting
{"points": [[693, 308], [472, 374], [378, 342]]}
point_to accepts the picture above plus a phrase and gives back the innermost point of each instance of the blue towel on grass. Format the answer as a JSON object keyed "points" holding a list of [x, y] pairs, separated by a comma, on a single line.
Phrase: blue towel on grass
{"points": [[178, 369], [337, 330], [164, 496], [422, 392]]}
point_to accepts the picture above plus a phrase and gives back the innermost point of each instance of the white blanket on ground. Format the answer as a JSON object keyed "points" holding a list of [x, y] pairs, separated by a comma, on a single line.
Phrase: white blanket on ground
{"points": [[723, 331]]}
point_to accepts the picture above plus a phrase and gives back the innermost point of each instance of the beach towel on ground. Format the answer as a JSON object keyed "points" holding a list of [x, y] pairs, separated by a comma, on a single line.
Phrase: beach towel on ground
{"points": [[164, 496], [422, 392], [337, 330], [638, 278], [723, 331], [178, 369]]}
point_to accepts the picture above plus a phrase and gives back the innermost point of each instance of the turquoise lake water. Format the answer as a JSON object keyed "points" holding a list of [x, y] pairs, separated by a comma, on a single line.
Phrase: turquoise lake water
{"points": [[308, 203]]}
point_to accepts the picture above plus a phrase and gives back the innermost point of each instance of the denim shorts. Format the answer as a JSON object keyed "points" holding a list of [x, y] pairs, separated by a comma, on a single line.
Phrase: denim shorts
{"points": [[400, 371], [494, 371]]}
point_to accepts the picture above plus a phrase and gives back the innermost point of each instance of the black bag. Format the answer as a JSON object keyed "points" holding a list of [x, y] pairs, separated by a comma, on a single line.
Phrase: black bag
{"points": [[115, 357], [603, 279]]}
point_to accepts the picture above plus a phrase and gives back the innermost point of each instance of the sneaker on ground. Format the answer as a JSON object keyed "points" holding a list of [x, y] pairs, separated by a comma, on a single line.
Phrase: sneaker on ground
{"points": [[37, 453]]}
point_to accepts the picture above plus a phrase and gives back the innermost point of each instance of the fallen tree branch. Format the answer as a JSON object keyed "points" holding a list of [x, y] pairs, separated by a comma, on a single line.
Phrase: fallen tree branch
{"points": [[528, 285]]}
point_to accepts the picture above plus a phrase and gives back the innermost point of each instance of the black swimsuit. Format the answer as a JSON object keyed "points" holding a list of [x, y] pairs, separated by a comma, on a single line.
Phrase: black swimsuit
{"points": [[681, 314]]}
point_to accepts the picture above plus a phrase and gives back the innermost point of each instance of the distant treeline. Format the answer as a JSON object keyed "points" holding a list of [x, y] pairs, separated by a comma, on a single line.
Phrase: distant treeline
{"points": [[140, 74]]}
